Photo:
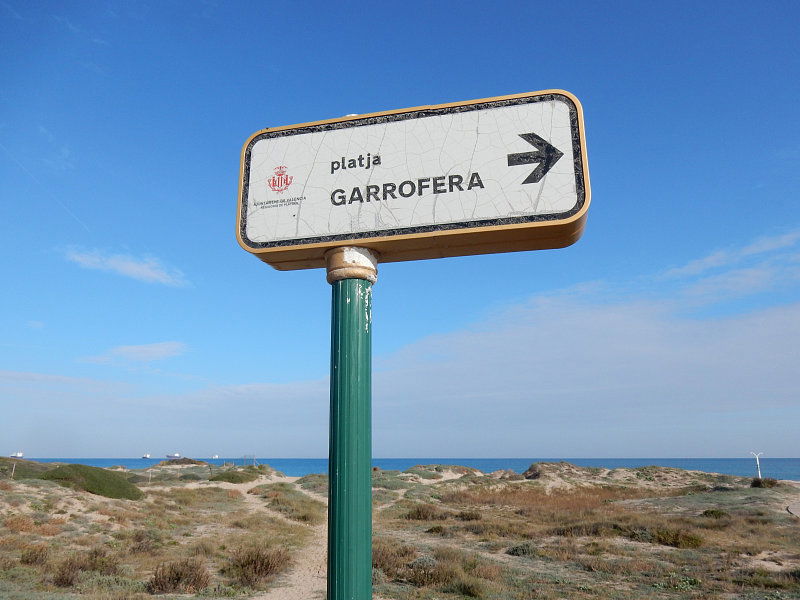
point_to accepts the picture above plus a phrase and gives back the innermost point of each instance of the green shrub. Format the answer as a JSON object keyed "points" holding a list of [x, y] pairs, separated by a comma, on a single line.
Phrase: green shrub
{"points": [[95, 481], [524, 549], [123, 586], [677, 538], [766, 482], [424, 472], [383, 496], [236, 476], [22, 469], [389, 480], [714, 513], [315, 482], [187, 576]]}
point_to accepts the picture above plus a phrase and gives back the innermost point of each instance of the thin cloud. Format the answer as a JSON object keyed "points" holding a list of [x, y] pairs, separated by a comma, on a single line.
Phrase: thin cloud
{"points": [[142, 353], [733, 256], [577, 372], [768, 244], [148, 268], [10, 377]]}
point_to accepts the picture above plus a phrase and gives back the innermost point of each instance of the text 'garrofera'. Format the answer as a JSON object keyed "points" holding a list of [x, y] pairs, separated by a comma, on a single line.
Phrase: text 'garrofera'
{"points": [[441, 184]]}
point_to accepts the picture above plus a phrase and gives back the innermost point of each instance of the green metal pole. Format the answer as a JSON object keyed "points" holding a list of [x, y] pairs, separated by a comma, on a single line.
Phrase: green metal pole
{"points": [[350, 456]]}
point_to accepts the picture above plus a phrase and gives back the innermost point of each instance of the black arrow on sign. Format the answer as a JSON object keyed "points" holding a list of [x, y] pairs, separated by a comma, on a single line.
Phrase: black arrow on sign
{"points": [[546, 155]]}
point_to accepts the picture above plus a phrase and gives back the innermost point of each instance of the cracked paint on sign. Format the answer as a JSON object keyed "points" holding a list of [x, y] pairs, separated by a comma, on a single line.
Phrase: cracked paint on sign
{"points": [[415, 172]]}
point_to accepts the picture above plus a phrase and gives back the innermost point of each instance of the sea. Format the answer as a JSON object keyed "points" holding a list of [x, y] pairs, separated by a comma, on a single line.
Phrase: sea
{"points": [[778, 468]]}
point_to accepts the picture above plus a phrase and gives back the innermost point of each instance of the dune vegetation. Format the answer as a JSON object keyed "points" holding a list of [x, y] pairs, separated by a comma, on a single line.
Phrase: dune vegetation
{"points": [[440, 533]]}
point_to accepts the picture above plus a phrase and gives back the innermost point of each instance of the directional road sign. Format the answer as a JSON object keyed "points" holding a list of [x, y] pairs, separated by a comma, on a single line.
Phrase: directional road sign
{"points": [[492, 175]]}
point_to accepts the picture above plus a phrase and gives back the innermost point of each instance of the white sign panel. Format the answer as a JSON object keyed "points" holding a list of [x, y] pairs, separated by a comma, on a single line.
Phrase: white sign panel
{"points": [[419, 172]]}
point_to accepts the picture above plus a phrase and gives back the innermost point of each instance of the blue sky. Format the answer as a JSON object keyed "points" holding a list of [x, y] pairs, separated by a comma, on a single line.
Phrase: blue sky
{"points": [[131, 320]]}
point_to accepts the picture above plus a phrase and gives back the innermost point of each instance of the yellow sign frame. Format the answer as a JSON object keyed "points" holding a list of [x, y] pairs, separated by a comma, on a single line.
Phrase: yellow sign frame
{"points": [[542, 233]]}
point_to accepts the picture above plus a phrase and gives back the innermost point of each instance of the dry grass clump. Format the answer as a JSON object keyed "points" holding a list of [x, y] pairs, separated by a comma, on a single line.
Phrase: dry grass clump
{"points": [[764, 579], [622, 566], [98, 560], [425, 512], [391, 556], [468, 515], [203, 547], [146, 541], [254, 566], [186, 576], [19, 523], [446, 569], [49, 529], [34, 554], [535, 501], [469, 574], [639, 529]]}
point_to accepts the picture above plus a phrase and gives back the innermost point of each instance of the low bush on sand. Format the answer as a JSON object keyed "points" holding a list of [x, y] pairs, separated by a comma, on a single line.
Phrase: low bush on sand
{"points": [[96, 560], [235, 476], [425, 512], [391, 556], [95, 481], [146, 541], [185, 576], [254, 566], [315, 482], [22, 469], [34, 554], [19, 523], [766, 482]]}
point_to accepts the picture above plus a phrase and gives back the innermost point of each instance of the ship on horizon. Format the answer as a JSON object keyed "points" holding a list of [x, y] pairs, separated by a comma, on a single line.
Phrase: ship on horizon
{"points": [[173, 456], [17, 454], [146, 455]]}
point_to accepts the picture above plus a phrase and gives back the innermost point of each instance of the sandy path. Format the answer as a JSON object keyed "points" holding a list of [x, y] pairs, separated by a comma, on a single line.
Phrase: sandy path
{"points": [[307, 580]]}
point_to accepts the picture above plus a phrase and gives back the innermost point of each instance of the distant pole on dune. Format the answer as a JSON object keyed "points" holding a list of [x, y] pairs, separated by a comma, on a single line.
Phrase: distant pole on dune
{"points": [[758, 463]]}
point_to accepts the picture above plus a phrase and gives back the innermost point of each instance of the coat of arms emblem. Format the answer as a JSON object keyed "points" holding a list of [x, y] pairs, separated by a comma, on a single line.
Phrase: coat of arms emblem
{"points": [[280, 180]]}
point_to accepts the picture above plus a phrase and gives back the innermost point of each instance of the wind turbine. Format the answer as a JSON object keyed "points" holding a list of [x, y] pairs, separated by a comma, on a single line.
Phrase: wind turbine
{"points": [[758, 464]]}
